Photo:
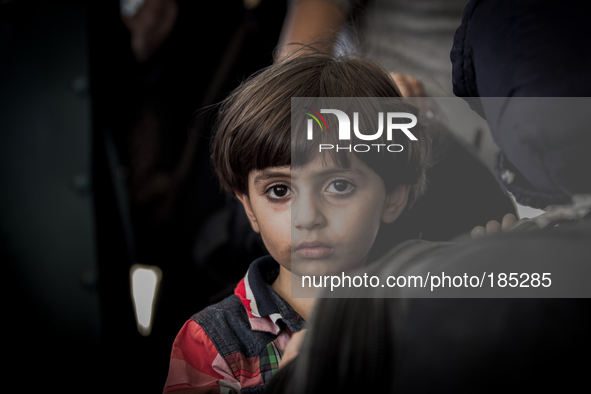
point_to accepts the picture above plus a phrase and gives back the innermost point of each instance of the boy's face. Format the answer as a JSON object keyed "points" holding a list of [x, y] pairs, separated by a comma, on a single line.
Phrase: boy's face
{"points": [[320, 219]]}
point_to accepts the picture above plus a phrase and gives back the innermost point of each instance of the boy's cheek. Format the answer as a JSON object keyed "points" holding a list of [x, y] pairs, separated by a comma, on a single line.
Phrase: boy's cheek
{"points": [[277, 240], [280, 252]]}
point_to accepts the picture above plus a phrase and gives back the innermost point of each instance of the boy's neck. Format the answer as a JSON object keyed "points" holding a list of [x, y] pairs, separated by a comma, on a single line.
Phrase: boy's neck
{"points": [[282, 285]]}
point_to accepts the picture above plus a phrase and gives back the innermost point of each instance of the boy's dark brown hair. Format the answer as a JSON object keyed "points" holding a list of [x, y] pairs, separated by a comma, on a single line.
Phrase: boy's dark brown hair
{"points": [[254, 122]]}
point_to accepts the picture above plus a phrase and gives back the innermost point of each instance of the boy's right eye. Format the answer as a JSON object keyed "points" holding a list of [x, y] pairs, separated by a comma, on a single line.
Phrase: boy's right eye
{"points": [[277, 192]]}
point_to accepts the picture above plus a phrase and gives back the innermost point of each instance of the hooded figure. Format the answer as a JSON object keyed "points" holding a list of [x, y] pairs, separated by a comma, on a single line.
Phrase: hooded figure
{"points": [[506, 51]]}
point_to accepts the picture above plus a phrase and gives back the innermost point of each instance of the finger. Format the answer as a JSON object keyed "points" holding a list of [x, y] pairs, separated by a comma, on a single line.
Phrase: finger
{"points": [[293, 347], [493, 227], [404, 83], [408, 86], [478, 232], [400, 81], [509, 221], [416, 88]]}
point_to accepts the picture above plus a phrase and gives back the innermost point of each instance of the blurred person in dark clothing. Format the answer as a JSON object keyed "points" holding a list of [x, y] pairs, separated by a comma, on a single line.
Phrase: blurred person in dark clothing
{"points": [[496, 344]]}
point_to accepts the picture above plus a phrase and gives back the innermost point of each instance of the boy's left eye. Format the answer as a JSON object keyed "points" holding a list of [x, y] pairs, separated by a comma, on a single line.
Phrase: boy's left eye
{"points": [[340, 186], [277, 192]]}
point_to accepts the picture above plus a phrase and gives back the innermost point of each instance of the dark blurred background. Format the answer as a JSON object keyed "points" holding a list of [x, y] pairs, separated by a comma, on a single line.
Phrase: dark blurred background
{"points": [[105, 123]]}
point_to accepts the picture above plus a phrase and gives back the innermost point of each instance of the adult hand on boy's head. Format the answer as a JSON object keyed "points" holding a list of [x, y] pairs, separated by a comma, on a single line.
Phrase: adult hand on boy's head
{"points": [[412, 87], [493, 227], [293, 347], [408, 86]]}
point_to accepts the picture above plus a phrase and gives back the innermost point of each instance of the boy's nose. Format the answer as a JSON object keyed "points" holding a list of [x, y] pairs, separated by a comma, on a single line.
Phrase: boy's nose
{"points": [[307, 213]]}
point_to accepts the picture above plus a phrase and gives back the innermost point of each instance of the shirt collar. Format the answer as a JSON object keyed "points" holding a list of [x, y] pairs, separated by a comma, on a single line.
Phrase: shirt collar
{"points": [[264, 306]]}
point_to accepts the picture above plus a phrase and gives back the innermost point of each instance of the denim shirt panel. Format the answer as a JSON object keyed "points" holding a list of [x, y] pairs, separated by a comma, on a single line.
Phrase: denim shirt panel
{"points": [[228, 325], [291, 318]]}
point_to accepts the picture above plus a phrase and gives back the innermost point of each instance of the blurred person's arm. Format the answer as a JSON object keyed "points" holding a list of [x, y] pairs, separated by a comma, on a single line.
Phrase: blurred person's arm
{"points": [[318, 22], [311, 21], [150, 26]]}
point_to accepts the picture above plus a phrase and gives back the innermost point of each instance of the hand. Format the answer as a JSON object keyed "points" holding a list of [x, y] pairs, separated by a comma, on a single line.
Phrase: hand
{"points": [[408, 86], [412, 87], [494, 227], [293, 347]]}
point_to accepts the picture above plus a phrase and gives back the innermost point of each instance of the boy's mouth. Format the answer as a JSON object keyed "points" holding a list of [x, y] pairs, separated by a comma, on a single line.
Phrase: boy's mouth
{"points": [[313, 250]]}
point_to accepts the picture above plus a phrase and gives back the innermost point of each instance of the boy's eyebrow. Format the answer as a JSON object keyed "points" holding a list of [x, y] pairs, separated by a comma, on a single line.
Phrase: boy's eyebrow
{"points": [[268, 174], [340, 170]]}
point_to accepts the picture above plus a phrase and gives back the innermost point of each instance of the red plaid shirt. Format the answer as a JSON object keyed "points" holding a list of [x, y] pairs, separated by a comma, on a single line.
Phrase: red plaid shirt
{"points": [[235, 346]]}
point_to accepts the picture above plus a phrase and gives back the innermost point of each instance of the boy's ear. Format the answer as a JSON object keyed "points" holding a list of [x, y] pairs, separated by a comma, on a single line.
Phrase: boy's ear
{"points": [[245, 200], [395, 203]]}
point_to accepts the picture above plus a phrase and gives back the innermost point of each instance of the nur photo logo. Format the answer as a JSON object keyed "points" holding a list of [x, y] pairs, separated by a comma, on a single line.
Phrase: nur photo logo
{"points": [[344, 129]]}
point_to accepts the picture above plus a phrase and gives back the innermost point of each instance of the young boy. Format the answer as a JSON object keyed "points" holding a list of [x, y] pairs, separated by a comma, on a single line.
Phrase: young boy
{"points": [[317, 213]]}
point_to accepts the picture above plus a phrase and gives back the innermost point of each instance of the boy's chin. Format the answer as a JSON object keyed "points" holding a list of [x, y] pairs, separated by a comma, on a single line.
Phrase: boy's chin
{"points": [[321, 267]]}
